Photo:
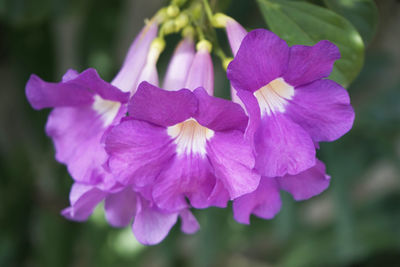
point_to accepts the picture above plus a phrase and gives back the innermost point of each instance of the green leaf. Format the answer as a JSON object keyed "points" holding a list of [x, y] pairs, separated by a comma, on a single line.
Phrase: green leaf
{"points": [[363, 14], [306, 24]]}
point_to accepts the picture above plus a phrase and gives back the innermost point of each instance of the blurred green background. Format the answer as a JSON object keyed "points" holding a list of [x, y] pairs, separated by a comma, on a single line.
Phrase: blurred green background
{"points": [[356, 222]]}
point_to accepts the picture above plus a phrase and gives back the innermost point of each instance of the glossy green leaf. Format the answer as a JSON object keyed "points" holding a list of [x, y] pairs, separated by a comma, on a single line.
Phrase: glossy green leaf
{"points": [[306, 24], [363, 14]]}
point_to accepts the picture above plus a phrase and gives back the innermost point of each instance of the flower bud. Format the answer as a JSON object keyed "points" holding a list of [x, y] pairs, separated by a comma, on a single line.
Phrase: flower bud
{"points": [[172, 11]]}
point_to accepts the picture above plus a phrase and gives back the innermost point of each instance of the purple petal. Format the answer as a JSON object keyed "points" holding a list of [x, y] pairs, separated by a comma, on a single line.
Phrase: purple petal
{"points": [[323, 109], [306, 184], [264, 202], [262, 57], [201, 73], [83, 199], [127, 77], [138, 151], [179, 65], [253, 111], [91, 80], [235, 99], [219, 197], [149, 74], [120, 207], [165, 108], [41, 94], [236, 34], [70, 75], [310, 63], [76, 133], [188, 176], [219, 114], [233, 161], [189, 223], [151, 225], [75, 90], [282, 147], [108, 183]]}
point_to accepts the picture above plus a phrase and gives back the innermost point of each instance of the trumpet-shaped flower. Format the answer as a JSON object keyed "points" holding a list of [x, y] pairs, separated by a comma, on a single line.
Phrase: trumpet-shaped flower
{"points": [[184, 144], [179, 65], [265, 201], [85, 107], [290, 106], [124, 204]]}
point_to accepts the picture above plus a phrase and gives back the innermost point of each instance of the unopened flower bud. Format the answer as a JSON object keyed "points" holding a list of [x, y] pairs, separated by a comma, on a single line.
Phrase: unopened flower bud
{"points": [[161, 15], [219, 20], [196, 11], [204, 45], [169, 27], [226, 62], [158, 45], [181, 21], [172, 11], [188, 31]]}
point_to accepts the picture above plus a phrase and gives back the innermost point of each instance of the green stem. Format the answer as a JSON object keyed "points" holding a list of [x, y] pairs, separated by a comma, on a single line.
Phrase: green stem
{"points": [[220, 53], [200, 33], [208, 10]]}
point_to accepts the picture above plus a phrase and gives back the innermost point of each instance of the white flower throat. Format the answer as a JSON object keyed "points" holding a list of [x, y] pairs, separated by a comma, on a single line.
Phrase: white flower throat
{"points": [[190, 137], [106, 109], [272, 98]]}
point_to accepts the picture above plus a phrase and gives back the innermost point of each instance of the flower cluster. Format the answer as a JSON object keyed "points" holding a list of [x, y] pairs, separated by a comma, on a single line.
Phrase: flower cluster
{"points": [[151, 154]]}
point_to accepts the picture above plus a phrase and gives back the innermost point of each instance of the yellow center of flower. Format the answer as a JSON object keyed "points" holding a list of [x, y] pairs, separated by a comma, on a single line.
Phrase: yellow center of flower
{"points": [[106, 109], [190, 137], [273, 97]]}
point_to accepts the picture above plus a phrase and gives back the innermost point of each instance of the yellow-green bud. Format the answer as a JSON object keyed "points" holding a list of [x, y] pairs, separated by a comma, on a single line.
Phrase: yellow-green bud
{"points": [[188, 31], [158, 44], [196, 11], [204, 45], [161, 15], [168, 27], [156, 48], [219, 20], [181, 21], [226, 62], [172, 11]]}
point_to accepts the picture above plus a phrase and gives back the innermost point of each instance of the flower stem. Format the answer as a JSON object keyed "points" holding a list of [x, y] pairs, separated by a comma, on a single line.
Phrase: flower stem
{"points": [[208, 10], [200, 33]]}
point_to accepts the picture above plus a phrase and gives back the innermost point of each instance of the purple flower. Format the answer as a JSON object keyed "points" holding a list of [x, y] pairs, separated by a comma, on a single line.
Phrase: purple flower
{"points": [[184, 144], [187, 144], [265, 201], [290, 106], [84, 107], [179, 65], [140, 61], [124, 204], [235, 33]]}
